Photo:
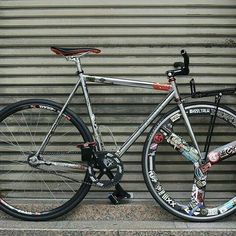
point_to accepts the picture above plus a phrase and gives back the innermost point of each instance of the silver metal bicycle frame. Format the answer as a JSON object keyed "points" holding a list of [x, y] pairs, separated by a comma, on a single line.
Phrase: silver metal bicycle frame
{"points": [[150, 118], [125, 82], [133, 83]]}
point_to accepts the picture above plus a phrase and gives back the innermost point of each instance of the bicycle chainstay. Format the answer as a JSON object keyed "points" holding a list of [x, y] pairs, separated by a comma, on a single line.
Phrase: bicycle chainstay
{"points": [[100, 164]]}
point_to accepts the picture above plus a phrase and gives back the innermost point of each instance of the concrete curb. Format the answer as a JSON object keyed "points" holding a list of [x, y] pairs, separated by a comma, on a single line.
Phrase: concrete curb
{"points": [[117, 228]]}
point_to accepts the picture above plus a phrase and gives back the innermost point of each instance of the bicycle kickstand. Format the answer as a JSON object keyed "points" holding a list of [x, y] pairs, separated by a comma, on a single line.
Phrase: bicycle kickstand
{"points": [[118, 195]]}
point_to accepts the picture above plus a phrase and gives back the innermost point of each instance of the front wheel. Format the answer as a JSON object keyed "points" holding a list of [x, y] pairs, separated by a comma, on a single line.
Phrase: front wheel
{"points": [[169, 173], [34, 191]]}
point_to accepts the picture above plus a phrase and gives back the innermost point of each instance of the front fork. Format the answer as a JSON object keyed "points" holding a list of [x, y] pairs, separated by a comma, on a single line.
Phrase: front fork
{"points": [[201, 161], [192, 154]]}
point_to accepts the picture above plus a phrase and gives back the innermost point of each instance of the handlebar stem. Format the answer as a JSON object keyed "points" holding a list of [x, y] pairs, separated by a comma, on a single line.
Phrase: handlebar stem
{"points": [[183, 70]]}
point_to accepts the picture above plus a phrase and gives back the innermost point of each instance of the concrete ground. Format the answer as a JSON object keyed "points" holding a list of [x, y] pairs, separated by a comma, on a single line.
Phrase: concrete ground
{"points": [[102, 218]]}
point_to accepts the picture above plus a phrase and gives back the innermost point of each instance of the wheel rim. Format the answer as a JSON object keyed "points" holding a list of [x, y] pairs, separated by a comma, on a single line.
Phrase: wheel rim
{"points": [[39, 190], [179, 193]]}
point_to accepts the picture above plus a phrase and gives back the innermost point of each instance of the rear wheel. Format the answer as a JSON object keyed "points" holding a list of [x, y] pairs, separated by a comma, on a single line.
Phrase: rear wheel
{"points": [[169, 175], [40, 191]]}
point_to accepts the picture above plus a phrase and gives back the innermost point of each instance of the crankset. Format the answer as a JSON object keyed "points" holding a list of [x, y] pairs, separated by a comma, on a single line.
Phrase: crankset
{"points": [[106, 169]]}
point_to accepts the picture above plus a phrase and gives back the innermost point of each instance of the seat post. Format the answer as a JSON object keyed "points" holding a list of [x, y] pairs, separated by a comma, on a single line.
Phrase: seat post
{"points": [[78, 64]]}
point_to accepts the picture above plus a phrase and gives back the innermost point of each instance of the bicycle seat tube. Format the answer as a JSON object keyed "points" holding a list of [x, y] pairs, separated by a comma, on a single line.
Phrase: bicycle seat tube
{"points": [[92, 117]]}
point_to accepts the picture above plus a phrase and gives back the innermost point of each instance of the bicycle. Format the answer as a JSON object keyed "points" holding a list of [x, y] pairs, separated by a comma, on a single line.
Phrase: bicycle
{"points": [[50, 159]]}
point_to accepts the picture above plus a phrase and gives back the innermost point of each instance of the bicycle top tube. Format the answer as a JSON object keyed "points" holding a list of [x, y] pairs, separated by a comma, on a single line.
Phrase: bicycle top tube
{"points": [[128, 82]]}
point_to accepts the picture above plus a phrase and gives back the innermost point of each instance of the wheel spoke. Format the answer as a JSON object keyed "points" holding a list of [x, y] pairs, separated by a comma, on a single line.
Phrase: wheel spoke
{"points": [[42, 188], [192, 188]]}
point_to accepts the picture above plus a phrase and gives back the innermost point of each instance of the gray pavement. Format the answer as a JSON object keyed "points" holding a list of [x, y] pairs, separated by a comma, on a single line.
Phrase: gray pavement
{"points": [[102, 218]]}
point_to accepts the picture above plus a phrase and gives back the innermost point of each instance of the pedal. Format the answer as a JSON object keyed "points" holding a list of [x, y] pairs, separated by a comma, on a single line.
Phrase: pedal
{"points": [[114, 200], [118, 195], [117, 199]]}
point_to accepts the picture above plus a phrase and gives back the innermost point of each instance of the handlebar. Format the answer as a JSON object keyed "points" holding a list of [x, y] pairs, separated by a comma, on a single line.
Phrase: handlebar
{"points": [[182, 68], [186, 58]]}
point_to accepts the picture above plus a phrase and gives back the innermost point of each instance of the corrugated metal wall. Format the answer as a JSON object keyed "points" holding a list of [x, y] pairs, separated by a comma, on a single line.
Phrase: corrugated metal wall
{"points": [[139, 39]]}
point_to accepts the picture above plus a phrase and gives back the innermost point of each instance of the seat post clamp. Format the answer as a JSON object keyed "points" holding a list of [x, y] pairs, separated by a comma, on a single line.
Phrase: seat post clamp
{"points": [[79, 72]]}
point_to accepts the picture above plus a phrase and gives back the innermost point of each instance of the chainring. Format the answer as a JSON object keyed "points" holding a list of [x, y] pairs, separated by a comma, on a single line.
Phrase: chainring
{"points": [[106, 165]]}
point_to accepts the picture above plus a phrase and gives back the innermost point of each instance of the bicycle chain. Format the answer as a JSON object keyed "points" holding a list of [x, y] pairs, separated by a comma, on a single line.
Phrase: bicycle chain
{"points": [[101, 184]]}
